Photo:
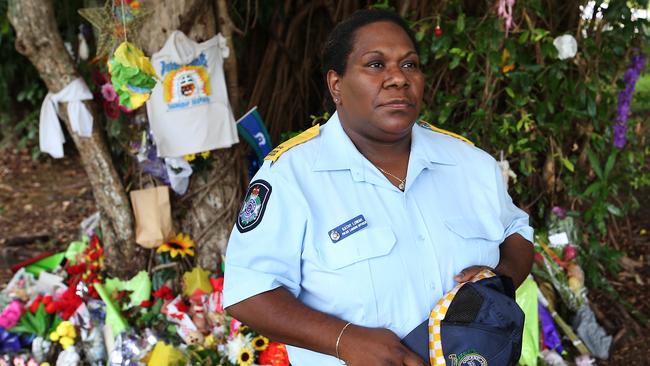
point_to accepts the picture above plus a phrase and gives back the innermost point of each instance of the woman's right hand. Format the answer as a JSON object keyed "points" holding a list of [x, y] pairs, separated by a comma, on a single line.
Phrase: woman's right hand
{"points": [[361, 346]]}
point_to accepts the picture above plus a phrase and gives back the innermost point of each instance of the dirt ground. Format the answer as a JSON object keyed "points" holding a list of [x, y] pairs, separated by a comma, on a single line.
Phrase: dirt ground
{"points": [[42, 203]]}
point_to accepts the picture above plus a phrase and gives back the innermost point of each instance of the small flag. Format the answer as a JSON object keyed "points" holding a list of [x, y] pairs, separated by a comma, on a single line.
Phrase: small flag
{"points": [[252, 129]]}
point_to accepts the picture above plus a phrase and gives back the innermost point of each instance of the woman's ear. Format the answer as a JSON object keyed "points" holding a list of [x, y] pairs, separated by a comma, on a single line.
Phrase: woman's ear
{"points": [[334, 85]]}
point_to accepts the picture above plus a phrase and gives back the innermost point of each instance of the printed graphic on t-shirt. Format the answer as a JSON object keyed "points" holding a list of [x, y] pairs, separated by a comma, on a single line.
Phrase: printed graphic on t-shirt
{"points": [[186, 86]]}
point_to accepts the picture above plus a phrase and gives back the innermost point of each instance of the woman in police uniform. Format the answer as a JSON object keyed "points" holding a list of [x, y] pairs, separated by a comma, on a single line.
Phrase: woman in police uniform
{"points": [[351, 232]]}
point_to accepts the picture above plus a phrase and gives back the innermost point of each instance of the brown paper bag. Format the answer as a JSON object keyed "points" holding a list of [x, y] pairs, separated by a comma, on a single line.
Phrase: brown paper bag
{"points": [[153, 216]]}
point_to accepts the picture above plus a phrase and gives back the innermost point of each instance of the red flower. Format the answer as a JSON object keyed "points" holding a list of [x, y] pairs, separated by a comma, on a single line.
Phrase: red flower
{"points": [[50, 308], [275, 354], [181, 307], [217, 284], [146, 304], [111, 109], [33, 307], [164, 293]]}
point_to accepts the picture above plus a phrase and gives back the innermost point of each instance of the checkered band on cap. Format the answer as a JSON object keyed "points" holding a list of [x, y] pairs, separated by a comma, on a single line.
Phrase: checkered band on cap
{"points": [[436, 356]]}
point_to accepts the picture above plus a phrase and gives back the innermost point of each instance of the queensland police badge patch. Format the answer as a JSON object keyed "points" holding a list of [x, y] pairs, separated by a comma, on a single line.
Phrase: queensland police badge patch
{"points": [[254, 205]]}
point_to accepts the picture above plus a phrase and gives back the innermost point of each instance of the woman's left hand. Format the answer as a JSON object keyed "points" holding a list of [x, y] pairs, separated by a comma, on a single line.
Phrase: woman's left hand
{"points": [[469, 272], [516, 260]]}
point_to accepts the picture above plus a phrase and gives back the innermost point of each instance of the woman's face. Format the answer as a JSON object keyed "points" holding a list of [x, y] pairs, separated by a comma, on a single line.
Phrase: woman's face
{"points": [[381, 92]]}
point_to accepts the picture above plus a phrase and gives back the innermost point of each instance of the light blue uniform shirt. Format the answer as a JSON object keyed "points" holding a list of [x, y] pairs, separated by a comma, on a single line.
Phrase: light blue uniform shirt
{"points": [[453, 214]]}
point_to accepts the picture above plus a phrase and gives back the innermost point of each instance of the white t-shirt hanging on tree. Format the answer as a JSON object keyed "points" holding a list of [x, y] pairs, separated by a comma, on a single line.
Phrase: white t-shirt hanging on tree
{"points": [[189, 110]]}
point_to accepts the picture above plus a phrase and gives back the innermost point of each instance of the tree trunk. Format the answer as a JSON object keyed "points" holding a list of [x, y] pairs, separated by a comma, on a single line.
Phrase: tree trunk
{"points": [[208, 208], [38, 38]]}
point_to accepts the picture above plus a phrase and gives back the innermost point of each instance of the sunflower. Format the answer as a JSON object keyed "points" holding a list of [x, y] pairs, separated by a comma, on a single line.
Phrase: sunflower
{"points": [[181, 244], [245, 357], [260, 343]]}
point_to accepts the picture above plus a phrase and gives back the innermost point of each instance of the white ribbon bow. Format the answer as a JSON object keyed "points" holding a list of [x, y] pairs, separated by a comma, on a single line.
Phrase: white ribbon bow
{"points": [[50, 133]]}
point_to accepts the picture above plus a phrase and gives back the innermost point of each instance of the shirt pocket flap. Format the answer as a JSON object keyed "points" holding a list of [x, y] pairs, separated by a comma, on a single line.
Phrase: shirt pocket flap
{"points": [[489, 229], [366, 244]]}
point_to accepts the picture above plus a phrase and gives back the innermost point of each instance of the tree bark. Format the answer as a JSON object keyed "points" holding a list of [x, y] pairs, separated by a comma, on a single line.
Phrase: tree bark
{"points": [[38, 38], [207, 210]]}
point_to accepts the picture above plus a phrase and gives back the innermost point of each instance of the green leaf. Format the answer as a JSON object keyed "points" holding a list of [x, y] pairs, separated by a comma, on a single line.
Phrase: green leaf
{"points": [[609, 165], [567, 164], [614, 210], [595, 164], [510, 92], [524, 37], [454, 63], [591, 107], [460, 23], [419, 36]]}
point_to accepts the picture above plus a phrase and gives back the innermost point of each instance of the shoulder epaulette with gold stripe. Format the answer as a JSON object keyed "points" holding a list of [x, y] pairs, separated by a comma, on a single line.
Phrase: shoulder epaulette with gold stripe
{"points": [[296, 140], [431, 127]]}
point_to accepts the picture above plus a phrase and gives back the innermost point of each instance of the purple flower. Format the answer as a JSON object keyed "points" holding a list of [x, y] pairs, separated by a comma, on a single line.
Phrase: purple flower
{"points": [[559, 212], [631, 76]]}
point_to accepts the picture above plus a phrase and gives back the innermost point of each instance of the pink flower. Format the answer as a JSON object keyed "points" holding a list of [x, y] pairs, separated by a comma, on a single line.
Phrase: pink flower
{"points": [[108, 92], [11, 314], [559, 212], [234, 327]]}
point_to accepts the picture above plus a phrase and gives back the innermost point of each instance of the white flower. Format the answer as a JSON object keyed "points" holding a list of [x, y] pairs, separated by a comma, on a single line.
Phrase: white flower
{"points": [[566, 45], [235, 345]]}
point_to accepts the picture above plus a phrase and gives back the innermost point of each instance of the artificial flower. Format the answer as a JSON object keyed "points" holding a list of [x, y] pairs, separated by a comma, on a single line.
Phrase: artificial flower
{"points": [[189, 157], [111, 109], [164, 293], [11, 314], [182, 244], [260, 343], [65, 334], [275, 355], [235, 346], [108, 92], [245, 357], [146, 304]]}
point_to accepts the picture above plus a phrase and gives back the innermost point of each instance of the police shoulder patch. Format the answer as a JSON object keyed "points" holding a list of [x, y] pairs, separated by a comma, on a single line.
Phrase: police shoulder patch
{"points": [[431, 127], [297, 140], [252, 210]]}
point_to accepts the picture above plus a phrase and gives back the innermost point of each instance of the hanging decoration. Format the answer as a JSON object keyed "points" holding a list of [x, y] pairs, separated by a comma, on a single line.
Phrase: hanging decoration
{"points": [[116, 21], [132, 75], [438, 31], [504, 10]]}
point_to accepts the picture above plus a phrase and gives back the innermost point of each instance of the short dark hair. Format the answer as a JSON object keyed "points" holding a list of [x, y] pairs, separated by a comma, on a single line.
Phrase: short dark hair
{"points": [[339, 42]]}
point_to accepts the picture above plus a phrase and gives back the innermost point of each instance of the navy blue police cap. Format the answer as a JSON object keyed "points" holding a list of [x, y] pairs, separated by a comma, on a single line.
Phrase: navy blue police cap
{"points": [[477, 323]]}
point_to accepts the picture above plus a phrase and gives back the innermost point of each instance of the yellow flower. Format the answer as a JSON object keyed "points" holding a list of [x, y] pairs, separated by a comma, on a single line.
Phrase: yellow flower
{"points": [[66, 342], [189, 157], [54, 336], [245, 357], [260, 343], [209, 341], [182, 244], [205, 154]]}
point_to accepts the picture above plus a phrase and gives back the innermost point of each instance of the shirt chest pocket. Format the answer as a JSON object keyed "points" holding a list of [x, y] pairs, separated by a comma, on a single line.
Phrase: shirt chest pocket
{"points": [[363, 245], [486, 230], [474, 242]]}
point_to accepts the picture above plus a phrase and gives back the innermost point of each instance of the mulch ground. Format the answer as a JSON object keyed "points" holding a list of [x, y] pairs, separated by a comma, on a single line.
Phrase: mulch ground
{"points": [[42, 203]]}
